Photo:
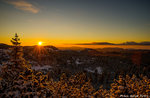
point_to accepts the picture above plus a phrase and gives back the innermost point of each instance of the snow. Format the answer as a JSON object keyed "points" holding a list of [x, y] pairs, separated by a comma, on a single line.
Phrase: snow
{"points": [[99, 70], [78, 61], [41, 67], [68, 61], [7, 63], [89, 70]]}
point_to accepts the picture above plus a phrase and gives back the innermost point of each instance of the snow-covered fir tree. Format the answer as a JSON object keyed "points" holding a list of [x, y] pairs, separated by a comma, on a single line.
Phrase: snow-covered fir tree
{"points": [[17, 77]]}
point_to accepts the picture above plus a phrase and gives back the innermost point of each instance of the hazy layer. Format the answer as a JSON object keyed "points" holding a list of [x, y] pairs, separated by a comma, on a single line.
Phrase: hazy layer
{"points": [[105, 46]]}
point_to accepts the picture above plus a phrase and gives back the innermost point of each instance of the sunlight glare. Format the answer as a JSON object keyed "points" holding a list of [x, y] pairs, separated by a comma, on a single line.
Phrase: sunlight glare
{"points": [[40, 43]]}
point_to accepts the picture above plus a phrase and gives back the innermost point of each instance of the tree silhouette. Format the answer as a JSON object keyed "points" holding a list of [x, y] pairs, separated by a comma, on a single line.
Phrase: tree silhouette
{"points": [[16, 49], [16, 64]]}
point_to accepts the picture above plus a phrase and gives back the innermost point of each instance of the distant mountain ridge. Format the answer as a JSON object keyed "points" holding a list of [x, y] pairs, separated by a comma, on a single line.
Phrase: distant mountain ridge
{"points": [[135, 43], [4, 46], [146, 43], [124, 43], [97, 43]]}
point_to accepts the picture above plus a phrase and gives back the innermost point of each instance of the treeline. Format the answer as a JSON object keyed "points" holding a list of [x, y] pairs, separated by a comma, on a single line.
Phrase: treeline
{"points": [[31, 84]]}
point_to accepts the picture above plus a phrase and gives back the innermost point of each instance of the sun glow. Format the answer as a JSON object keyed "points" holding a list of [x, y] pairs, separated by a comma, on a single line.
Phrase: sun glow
{"points": [[40, 43]]}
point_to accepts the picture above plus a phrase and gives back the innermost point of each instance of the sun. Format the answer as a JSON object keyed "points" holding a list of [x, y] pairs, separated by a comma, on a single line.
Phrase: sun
{"points": [[40, 43]]}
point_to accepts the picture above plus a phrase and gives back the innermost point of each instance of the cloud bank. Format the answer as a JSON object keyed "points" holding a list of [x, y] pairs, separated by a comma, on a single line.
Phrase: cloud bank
{"points": [[23, 5]]}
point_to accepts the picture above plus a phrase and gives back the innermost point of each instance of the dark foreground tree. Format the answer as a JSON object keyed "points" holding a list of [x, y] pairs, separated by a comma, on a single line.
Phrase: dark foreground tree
{"points": [[17, 79], [13, 68]]}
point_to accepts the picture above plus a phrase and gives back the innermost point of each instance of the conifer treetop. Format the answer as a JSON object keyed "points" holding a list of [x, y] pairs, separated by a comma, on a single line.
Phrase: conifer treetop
{"points": [[15, 41]]}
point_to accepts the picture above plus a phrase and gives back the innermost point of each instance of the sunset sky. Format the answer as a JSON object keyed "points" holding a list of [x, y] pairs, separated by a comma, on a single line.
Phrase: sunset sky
{"points": [[74, 21]]}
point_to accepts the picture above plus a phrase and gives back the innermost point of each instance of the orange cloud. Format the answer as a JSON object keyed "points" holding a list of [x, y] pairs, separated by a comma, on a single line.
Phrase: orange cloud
{"points": [[23, 5]]}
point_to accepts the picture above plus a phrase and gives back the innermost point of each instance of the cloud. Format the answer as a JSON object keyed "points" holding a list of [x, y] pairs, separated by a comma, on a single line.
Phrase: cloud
{"points": [[23, 5]]}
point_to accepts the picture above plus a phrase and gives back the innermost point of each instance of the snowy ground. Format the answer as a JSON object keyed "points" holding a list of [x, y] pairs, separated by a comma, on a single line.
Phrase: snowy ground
{"points": [[41, 67], [99, 70]]}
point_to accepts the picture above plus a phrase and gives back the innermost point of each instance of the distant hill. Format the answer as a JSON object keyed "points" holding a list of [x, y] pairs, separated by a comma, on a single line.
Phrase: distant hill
{"points": [[4, 46], [124, 43], [97, 43], [51, 47], [135, 43]]}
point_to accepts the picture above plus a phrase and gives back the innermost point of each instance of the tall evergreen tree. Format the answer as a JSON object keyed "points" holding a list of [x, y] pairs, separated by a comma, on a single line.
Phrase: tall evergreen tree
{"points": [[16, 64]]}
